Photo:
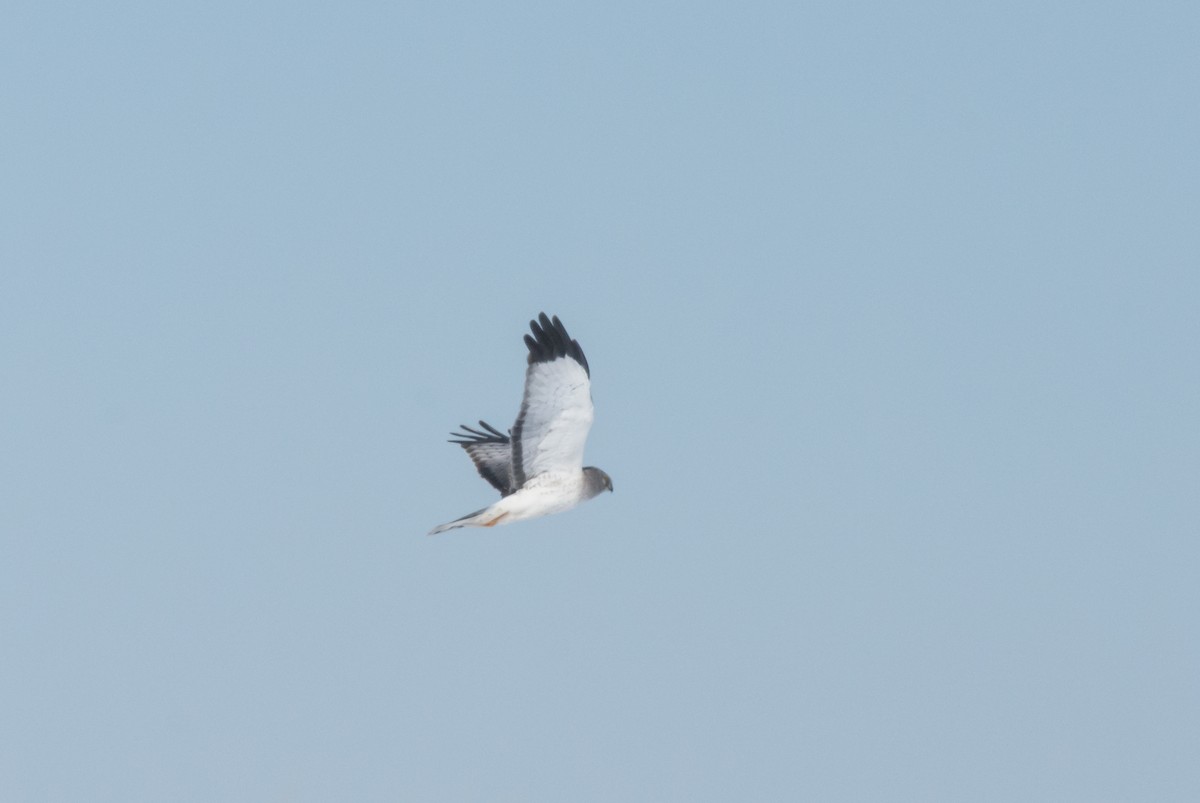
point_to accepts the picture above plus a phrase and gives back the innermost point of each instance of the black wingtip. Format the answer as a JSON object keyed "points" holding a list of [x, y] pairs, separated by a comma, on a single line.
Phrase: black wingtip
{"points": [[491, 429], [470, 435], [550, 341]]}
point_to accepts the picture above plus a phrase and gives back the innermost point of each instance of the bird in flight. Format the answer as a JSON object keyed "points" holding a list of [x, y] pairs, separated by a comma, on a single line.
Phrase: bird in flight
{"points": [[538, 467]]}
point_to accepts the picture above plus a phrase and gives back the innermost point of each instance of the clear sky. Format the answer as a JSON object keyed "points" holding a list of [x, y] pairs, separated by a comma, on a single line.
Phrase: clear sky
{"points": [[892, 314]]}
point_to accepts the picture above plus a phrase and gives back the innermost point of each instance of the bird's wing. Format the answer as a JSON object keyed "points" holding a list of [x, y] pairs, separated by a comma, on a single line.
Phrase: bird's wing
{"points": [[491, 452], [556, 412]]}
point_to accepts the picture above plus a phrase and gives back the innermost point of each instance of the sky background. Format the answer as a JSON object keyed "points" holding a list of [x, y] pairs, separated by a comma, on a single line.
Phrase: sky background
{"points": [[892, 313]]}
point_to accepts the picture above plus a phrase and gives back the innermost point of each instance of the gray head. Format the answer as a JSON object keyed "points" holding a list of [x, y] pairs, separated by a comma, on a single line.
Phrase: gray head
{"points": [[595, 481]]}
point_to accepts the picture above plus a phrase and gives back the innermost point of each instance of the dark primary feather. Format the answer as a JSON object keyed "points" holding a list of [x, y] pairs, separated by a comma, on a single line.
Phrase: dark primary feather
{"points": [[475, 435], [551, 341], [491, 452]]}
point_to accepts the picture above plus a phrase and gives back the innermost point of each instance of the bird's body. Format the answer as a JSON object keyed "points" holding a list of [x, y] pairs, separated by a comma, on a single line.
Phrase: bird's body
{"points": [[540, 496], [538, 467]]}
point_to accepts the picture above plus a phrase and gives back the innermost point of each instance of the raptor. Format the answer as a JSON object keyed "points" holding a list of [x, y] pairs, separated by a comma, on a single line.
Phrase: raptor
{"points": [[538, 466]]}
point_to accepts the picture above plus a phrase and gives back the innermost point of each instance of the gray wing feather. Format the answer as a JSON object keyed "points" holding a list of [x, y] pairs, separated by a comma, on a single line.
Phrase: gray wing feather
{"points": [[491, 452]]}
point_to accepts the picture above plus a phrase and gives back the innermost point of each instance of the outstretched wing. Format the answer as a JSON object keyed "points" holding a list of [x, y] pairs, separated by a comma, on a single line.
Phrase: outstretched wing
{"points": [[556, 412], [491, 452]]}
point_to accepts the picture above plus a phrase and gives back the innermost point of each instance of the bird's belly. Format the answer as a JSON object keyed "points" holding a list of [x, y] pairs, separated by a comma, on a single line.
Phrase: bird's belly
{"points": [[541, 499]]}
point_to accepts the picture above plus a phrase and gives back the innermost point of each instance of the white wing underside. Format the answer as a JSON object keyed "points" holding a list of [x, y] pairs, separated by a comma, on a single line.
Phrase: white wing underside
{"points": [[556, 415]]}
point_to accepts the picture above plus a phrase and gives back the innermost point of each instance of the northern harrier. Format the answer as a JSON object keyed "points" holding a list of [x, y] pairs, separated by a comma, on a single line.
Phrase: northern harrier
{"points": [[538, 467]]}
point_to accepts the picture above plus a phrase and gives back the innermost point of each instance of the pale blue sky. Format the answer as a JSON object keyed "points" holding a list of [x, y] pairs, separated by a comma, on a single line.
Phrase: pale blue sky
{"points": [[892, 317]]}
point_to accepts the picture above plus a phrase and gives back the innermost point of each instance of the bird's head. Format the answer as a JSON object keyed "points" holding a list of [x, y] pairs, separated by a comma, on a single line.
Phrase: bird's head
{"points": [[596, 481]]}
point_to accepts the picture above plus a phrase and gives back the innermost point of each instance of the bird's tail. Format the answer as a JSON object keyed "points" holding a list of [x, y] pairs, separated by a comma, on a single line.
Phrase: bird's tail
{"points": [[476, 519]]}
